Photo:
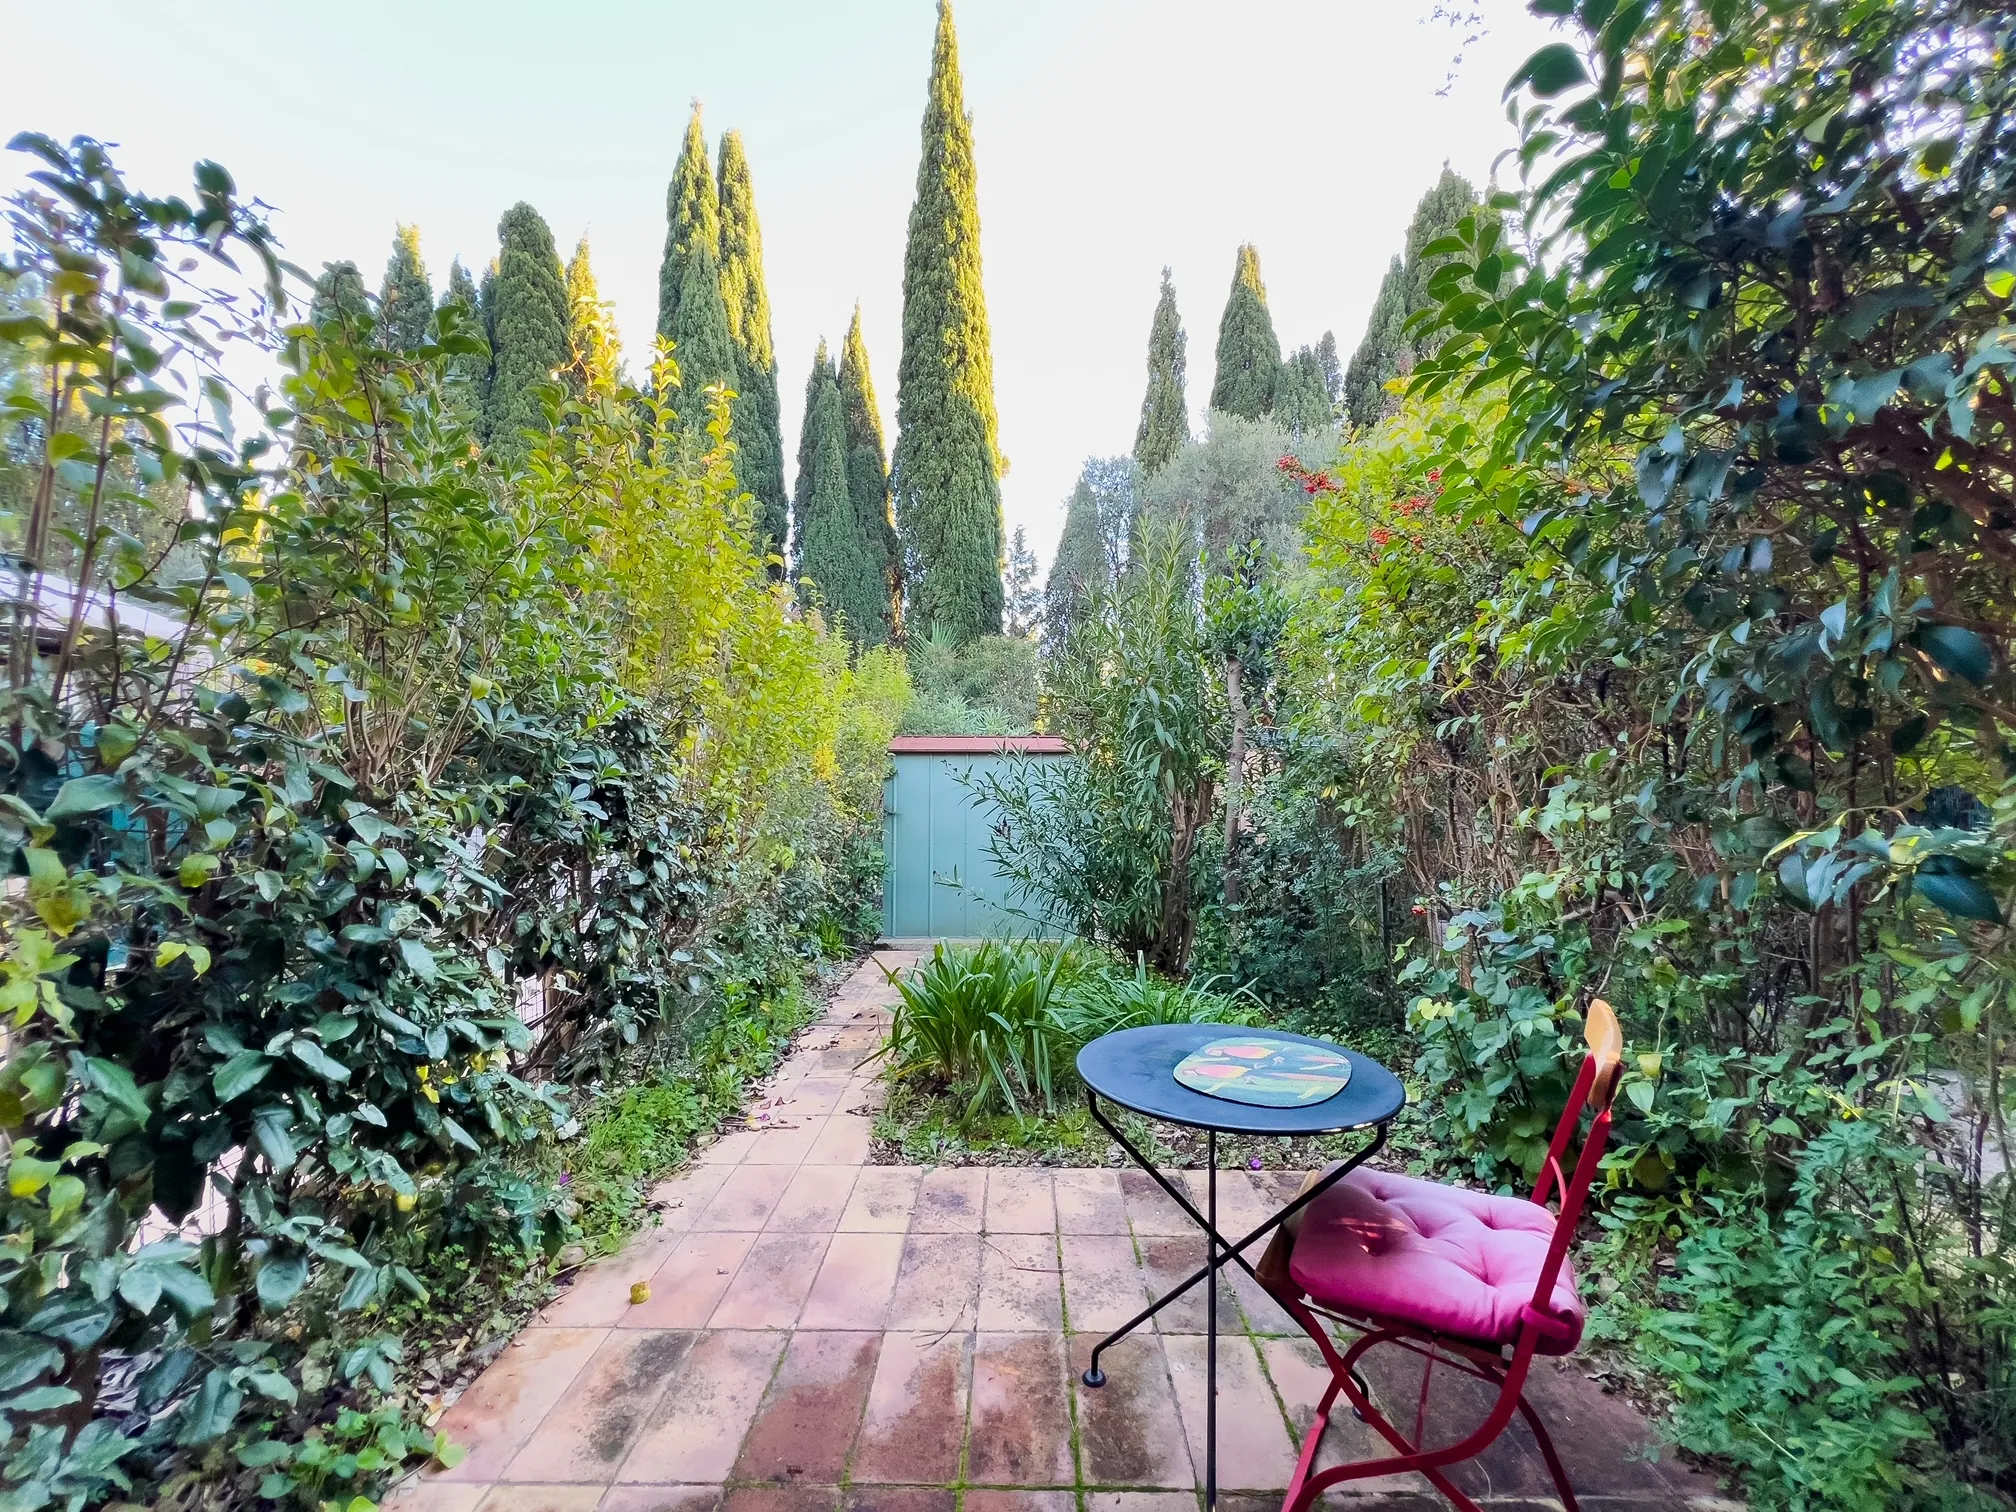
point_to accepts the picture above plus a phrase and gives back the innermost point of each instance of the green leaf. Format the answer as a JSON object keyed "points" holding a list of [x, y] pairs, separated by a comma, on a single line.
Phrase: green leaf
{"points": [[40, 1399], [1960, 895], [281, 1279], [419, 959], [264, 1452], [26, 1175], [116, 1083], [82, 796], [23, 1358], [1553, 69], [270, 1131], [209, 1414], [240, 1074], [318, 1060], [1956, 649]]}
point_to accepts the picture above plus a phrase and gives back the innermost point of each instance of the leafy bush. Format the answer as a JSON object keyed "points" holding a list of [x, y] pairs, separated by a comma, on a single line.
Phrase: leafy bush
{"points": [[998, 1024], [363, 795], [986, 686]]}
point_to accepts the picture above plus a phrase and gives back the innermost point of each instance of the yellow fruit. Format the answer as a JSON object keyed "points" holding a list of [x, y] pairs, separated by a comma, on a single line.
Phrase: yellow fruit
{"points": [[640, 1291], [406, 1201]]}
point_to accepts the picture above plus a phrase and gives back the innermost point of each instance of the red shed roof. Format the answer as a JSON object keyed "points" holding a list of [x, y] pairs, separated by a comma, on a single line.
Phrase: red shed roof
{"points": [[977, 745]]}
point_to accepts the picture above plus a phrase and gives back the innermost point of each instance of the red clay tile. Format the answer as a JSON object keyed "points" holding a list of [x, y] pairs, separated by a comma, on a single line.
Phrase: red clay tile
{"points": [[1090, 1202], [661, 1499], [1129, 1432], [1254, 1453], [696, 1430], [814, 1201], [916, 1413], [813, 1097], [1019, 1278], [688, 1286], [1169, 1263], [1104, 1284], [590, 1429], [728, 1149], [785, 1142], [1242, 1206], [430, 1493], [882, 1200], [799, 1498], [1144, 1501], [842, 1141], [1301, 1379], [540, 1499], [854, 1282], [939, 1283], [1020, 1202], [899, 1499], [599, 1295], [1020, 1433], [992, 1500], [951, 1200], [807, 1422], [772, 1284], [746, 1199], [504, 1406], [1153, 1211]]}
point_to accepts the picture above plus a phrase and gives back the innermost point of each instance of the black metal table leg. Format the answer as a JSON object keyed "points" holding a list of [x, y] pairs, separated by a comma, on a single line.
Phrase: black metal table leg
{"points": [[1211, 1329], [1225, 1250]]}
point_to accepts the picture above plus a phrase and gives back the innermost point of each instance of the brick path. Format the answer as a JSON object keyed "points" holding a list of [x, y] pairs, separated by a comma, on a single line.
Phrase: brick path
{"points": [[824, 1335]]}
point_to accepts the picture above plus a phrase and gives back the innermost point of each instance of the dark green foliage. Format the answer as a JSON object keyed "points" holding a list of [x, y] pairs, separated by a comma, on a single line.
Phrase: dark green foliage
{"points": [[1333, 374], [1249, 353], [947, 475], [868, 462], [406, 298], [833, 552], [1389, 348], [1092, 547], [757, 425], [339, 293], [1301, 397], [469, 375], [692, 309], [528, 320], [1165, 410], [987, 686], [1023, 612]]}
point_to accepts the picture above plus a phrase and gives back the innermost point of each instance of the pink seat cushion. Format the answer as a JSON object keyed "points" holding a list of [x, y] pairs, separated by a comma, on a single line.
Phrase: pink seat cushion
{"points": [[1433, 1257]]}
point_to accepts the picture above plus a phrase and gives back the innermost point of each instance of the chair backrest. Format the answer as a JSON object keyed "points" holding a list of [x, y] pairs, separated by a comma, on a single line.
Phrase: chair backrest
{"points": [[1595, 1087]]}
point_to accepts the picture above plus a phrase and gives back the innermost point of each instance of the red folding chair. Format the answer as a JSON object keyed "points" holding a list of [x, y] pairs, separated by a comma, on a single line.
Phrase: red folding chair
{"points": [[1465, 1279]]}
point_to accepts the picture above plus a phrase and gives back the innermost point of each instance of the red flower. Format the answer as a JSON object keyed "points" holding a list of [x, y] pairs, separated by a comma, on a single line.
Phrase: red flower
{"points": [[1434, 475], [1381, 535]]}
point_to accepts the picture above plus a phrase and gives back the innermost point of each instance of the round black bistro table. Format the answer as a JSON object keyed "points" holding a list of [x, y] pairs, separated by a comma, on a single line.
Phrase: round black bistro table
{"points": [[1136, 1069]]}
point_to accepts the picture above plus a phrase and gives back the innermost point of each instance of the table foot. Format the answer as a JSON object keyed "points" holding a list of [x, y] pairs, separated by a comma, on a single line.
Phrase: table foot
{"points": [[1094, 1377]]}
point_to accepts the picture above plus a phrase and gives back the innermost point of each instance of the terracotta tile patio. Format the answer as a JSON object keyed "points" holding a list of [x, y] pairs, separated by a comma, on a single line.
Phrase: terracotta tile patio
{"points": [[826, 1336]]}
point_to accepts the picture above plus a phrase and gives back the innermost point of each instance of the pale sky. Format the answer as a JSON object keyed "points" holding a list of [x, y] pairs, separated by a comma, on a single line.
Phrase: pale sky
{"points": [[1113, 136]]}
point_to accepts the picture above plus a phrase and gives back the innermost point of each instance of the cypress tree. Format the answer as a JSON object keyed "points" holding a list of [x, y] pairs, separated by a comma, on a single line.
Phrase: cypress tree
{"points": [[758, 425], [1388, 351], [868, 463], [692, 313], [1165, 413], [340, 294], [1023, 616], [527, 310], [594, 355], [1333, 373], [1301, 397], [405, 299], [948, 465], [833, 552], [1079, 571], [468, 377], [1249, 353]]}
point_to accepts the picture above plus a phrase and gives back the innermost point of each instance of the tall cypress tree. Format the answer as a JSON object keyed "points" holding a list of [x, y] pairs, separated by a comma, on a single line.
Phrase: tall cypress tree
{"points": [[833, 552], [1388, 350], [948, 464], [339, 292], [405, 299], [1333, 373], [758, 425], [1249, 353], [868, 463], [528, 315], [691, 310], [469, 376], [1165, 411], [594, 354], [1080, 570], [1301, 397]]}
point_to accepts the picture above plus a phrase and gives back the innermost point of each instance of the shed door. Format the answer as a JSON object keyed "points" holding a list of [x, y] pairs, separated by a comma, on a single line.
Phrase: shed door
{"points": [[936, 831]]}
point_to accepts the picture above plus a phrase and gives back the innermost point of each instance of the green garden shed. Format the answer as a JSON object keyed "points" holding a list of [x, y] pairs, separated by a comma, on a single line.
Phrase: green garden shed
{"points": [[938, 881]]}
